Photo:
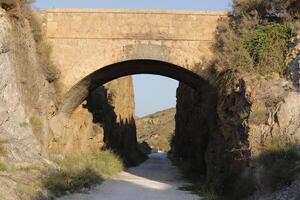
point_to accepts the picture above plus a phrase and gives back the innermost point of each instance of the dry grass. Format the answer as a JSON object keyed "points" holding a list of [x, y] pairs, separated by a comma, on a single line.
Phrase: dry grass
{"points": [[79, 171], [17, 10], [279, 158], [3, 166], [3, 150], [43, 48], [202, 190]]}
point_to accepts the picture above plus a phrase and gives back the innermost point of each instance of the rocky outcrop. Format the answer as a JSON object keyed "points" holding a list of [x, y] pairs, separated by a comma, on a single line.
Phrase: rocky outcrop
{"points": [[157, 129], [104, 120], [293, 64], [24, 101], [250, 111], [253, 110], [24, 92], [195, 121]]}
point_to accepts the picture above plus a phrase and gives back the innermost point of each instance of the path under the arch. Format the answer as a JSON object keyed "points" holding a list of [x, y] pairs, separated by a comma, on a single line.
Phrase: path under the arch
{"points": [[156, 179]]}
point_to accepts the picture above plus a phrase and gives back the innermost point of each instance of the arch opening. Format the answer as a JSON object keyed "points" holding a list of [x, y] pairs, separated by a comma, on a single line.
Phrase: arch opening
{"points": [[78, 93], [122, 138]]}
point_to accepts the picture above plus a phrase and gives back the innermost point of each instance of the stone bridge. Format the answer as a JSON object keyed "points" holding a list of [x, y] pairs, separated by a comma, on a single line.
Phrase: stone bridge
{"points": [[94, 46]]}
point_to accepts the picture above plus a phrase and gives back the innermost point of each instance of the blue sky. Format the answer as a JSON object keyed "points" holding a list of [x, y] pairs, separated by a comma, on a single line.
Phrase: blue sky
{"points": [[144, 4], [152, 93]]}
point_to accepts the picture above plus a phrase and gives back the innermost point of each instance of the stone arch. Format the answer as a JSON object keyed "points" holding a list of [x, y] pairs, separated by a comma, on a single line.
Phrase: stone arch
{"points": [[78, 93], [88, 58]]}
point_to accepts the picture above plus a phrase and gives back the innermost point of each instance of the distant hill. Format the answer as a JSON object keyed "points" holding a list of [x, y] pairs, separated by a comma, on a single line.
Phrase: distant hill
{"points": [[157, 128]]}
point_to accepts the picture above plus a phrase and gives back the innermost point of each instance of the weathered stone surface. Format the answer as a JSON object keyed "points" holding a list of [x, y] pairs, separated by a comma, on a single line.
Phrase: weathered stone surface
{"points": [[250, 111], [293, 64], [195, 121], [105, 119], [21, 98], [24, 100], [110, 36]]}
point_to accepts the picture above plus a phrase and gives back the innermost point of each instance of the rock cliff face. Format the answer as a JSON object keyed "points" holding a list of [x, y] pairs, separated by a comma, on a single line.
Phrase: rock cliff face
{"points": [[157, 129], [24, 92], [233, 124], [293, 64], [24, 101], [195, 120], [104, 120]]}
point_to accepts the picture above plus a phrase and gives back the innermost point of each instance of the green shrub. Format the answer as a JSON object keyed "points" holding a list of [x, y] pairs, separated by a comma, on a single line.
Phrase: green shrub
{"points": [[268, 46], [80, 171], [257, 36]]}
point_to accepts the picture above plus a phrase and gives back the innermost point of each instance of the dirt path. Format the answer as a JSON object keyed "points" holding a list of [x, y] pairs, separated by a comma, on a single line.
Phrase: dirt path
{"points": [[155, 179]]}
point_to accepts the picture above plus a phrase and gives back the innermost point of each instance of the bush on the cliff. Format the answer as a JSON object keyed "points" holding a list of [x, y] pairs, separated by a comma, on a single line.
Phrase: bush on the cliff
{"points": [[271, 10], [43, 49], [257, 36], [79, 171], [268, 46]]}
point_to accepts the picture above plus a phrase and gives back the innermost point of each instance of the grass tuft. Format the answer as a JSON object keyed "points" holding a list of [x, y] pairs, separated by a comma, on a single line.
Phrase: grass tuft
{"points": [[36, 122], [3, 150], [202, 190], [79, 171], [3, 166]]}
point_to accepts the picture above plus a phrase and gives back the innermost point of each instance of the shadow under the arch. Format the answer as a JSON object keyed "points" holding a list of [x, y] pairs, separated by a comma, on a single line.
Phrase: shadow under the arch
{"points": [[119, 133], [199, 107]]}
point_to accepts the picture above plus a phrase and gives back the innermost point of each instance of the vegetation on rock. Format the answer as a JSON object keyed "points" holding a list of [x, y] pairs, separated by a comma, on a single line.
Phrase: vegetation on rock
{"points": [[251, 49], [257, 35], [43, 49], [36, 122], [15, 8]]}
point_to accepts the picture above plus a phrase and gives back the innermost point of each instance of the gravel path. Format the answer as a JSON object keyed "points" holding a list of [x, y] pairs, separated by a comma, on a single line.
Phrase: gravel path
{"points": [[155, 179]]}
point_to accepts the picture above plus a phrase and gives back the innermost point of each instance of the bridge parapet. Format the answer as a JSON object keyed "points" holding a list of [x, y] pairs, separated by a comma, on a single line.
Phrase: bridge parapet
{"points": [[132, 24]]}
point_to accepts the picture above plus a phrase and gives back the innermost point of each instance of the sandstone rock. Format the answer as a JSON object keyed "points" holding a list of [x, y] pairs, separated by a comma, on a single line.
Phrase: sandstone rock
{"points": [[223, 141], [21, 142], [105, 119]]}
